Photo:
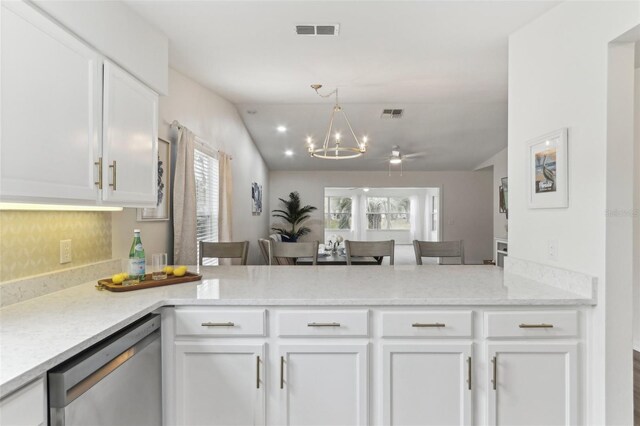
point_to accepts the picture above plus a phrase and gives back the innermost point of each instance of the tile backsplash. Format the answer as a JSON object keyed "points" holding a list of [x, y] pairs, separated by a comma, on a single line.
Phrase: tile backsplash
{"points": [[30, 240]]}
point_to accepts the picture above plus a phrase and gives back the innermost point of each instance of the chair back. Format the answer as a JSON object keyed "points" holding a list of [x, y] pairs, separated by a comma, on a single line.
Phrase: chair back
{"points": [[438, 249], [377, 249], [263, 243], [287, 253], [235, 250]]}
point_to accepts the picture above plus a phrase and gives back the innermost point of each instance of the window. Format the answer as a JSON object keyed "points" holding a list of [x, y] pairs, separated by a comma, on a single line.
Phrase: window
{"points": [[337, 212], [390, 213], [206, 173]]}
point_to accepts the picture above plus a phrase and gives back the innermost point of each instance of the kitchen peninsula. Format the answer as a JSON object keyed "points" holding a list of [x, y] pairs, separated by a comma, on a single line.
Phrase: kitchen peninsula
{"points": [[282, 345]]}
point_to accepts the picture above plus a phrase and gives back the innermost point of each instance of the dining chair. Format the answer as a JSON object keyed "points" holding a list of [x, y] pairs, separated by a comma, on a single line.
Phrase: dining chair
{"points": [[438, 249], [263, 243], [376, 249], [234, 250], [287, 253]]}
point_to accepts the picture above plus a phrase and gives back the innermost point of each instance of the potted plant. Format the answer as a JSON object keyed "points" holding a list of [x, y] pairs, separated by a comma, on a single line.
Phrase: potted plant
{"points": [[294, 215]]}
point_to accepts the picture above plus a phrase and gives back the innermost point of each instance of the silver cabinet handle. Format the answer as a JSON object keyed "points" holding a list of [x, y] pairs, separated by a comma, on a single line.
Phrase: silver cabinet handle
{"points": [[114, 174], [422, 324], [494, 380], [469, 372], [99, 181], [536, 325], [258, 372], [218, 324], [323, 324], [281, 372]]}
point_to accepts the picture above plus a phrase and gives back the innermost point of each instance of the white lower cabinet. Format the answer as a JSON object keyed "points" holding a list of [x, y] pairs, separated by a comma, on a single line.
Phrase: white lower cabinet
{"points": [[26, 406], [219, 384], [323, 384], [427, 384], [533, 383], [278, 366]]}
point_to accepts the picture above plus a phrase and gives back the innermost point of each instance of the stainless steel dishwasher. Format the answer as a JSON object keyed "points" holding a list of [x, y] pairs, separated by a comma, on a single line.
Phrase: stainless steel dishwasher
{"points": [[115, 382]]}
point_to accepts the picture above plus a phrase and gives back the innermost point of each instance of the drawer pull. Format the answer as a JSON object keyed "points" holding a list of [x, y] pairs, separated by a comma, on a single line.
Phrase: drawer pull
{"points": [[218, 324], [421, 324], [323, 324], [536, 326]]}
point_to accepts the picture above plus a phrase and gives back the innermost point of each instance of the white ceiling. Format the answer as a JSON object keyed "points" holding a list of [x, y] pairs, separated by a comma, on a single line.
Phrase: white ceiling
{"points": [[444, 62]]}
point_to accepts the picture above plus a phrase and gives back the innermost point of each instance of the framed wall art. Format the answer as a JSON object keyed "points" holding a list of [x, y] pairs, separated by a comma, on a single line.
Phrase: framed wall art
{"points": [[161, 211], [256, 198], [547, 169]]}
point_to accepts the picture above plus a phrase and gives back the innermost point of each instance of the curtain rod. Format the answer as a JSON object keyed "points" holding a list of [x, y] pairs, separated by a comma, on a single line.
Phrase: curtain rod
{"points": [[176, 124]]}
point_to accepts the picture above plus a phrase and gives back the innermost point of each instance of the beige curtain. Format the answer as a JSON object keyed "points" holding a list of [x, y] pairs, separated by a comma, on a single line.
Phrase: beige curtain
{"points": [[226, 192], [224, 199], [184, 200]]}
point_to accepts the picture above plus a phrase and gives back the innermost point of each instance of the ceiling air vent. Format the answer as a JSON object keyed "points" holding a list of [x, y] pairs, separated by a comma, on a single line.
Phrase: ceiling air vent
{"points": [[318, 30], [391, 113]]}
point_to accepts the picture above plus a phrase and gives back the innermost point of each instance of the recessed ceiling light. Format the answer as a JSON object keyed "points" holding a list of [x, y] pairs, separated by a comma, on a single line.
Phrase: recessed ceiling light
{"points": [[288, 153], [282, 129], [365, 189]]}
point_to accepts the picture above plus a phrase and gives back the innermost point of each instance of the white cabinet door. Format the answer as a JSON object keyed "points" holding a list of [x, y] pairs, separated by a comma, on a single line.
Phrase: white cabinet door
{"points": [[130, 140], [51, 107], [427, 384], [26, 406], [219, 384], [533, 384], [323, 384]]}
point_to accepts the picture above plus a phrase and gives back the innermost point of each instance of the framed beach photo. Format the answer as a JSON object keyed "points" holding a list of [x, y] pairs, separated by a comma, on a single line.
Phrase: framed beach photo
{"points": [[547, 169], [161, 211]]}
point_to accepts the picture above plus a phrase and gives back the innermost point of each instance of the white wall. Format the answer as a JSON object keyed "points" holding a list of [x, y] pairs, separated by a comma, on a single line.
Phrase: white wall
{"points": [[558, 69], [118, 33], [498, 164], [217, 122], [466, 198]]}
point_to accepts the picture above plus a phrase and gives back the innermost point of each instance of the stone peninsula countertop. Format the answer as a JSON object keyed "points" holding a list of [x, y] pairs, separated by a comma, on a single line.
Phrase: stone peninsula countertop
{"points": [[37, 334]]}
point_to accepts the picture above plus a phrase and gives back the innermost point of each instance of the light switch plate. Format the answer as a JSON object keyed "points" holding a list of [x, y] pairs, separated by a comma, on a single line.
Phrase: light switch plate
{"points": [[552, 249], [65, 251]]}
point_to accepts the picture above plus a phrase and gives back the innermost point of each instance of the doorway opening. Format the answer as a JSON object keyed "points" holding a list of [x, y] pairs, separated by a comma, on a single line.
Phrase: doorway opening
{"points": [[376, 214]]}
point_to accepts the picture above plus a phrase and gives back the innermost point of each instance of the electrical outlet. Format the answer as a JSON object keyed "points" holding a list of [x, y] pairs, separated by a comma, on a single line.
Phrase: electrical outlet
{"points": [[552, 249], [65, 251]]}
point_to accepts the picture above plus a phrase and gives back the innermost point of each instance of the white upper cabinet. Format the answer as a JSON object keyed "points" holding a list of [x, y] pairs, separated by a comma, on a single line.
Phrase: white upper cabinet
{"points": [[72, 132], [130, 140], [51, 98]]}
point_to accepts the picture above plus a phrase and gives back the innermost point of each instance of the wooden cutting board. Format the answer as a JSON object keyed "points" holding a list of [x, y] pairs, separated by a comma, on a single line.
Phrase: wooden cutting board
{"points": [[107, 283]]}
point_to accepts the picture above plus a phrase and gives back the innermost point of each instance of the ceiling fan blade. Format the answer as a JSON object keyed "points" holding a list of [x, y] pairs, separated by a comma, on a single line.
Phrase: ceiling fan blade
{"points": [[415, 155]]}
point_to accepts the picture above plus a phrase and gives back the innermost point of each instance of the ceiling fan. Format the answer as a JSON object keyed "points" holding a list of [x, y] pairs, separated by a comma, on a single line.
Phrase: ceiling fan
{"points": [[396, 158]]}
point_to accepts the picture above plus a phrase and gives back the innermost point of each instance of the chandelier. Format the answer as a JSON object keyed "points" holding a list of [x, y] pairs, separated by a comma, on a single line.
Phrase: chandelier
{"points": [[336, 149]]}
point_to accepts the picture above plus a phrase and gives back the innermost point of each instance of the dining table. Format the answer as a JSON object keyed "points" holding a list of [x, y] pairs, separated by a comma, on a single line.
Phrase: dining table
{"points": [[339, 259]]}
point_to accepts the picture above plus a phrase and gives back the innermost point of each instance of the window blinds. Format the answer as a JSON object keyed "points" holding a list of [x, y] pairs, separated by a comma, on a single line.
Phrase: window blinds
{"points": [[206, 174]]}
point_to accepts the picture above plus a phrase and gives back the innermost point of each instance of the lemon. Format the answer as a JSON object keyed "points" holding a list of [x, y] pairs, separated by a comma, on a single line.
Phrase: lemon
{"points": [[125, 275], [117, 278], [168, 270], [180, 271]]}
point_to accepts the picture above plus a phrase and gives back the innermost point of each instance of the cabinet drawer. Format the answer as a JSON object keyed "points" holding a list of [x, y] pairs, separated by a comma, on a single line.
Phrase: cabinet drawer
{"points": [[531, 324], [214, 322], [323, 323], [427, 324]]}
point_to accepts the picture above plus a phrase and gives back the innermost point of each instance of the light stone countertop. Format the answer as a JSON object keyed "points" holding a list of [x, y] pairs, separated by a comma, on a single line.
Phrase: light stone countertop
{"points": [[39, 333]]}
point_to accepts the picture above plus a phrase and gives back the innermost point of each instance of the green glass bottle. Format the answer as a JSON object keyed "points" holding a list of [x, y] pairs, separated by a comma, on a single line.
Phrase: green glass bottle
{"points": [[136, 258]]}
